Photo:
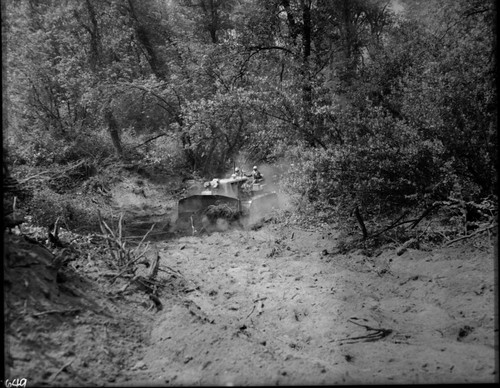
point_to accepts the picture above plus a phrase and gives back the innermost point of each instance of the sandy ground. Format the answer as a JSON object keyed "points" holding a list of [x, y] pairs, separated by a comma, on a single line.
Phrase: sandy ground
{"points": [[272, 306]]}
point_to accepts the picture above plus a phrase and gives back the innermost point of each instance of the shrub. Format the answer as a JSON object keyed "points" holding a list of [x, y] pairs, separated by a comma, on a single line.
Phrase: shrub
{"points": [[383, 167], [75, 213]]}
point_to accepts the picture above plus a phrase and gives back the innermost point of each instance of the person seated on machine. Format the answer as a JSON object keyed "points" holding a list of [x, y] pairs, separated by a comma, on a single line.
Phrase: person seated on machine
{"points": [[257, 176]]}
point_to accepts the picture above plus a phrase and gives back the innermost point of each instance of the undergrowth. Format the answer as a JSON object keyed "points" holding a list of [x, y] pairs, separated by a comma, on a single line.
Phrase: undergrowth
{"points": [[75, 212]]}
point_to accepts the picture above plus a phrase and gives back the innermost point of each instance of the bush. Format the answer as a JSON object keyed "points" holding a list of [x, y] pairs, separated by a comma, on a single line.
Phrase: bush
{"points": [[41, 149], [75, 213], [383, 167]]}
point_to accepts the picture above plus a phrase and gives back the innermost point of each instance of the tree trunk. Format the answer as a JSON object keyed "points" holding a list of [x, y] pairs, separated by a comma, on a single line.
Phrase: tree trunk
{"points": [[306, 71], [95, 38], [361, 222], [113, 132]]}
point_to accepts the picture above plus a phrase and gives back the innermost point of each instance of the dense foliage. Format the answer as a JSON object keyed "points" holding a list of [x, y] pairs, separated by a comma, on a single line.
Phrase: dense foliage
{"points": [[383, 106]]}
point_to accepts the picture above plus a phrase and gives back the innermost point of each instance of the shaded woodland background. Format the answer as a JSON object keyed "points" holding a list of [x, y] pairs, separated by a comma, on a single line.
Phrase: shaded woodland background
{"points": [[375, 108]]}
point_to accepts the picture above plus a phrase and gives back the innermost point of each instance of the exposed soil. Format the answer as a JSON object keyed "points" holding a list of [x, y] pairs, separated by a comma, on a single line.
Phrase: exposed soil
{"points": [[269, 306]]}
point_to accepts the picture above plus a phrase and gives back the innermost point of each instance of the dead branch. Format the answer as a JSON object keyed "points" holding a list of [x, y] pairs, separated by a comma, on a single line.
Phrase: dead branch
{"points": [[53, 236], [361, 222], [171, 270], [72, 311], [64, 171], [120, 243], [192, 225], [378, 333], [426, 213], [151, 139], [104, 232], [393, 225], [127, 268], [414, 222], [120, 227], [33, 177], [107, 228], [402, 249], [62, 368], [56, 228], [153, 270], [253, 309], [143, 238], [472, 234], [143, 251]]}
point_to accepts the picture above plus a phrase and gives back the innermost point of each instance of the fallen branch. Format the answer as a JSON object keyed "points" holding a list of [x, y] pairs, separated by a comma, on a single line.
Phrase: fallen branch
{"points": [[192, 225], [57, 312], [151, 139], [171, 270], [143, 238], [62, 368], [425, 213], [53, 236], [472, 234], [378, 333], [33, 177], [253, 309], [361, 222], [394, 224], [414, 221], [127, 268], [153, 270], [57, 175], [103, 230]]}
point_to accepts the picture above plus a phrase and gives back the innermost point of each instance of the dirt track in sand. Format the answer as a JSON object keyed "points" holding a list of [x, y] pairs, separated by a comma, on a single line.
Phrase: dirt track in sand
{"points": [[272, 306]]}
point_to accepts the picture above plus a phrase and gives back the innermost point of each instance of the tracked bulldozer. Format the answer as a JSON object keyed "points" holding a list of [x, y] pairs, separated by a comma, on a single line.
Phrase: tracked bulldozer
{"points": [[225, 201]]}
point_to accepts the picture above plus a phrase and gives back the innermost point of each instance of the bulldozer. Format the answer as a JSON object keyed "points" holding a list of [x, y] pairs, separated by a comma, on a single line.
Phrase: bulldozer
{"points": [[223, 202]]}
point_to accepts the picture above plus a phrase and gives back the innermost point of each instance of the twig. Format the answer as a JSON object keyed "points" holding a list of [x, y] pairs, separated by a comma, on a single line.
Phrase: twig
{"points": [[127, 267], [253, 309], [62, 368], [56, 312], [78, 164], [143, 252], [171, 270], [107, 228], [425, 231], [394, 224], [425, 214], [472, 235], [120, 242], [143, 238], [120, 227], [103, 230], [360, 324], [378, 333], [153, 138], [153, 271], [192, 225], [33, 177], [56, 228]]}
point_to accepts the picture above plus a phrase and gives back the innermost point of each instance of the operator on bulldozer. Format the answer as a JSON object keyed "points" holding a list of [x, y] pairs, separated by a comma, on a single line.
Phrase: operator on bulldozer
{"points": [[257, 176], [238, 173]]}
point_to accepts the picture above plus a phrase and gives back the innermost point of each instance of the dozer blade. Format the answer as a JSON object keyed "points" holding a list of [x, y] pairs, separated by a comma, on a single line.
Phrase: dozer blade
{"points": [[191, 209]]}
